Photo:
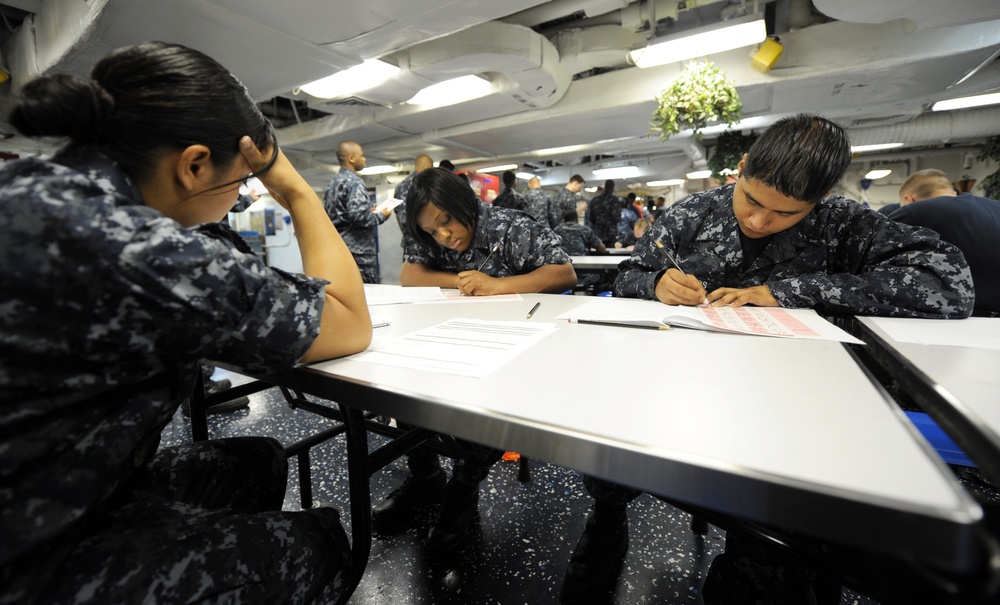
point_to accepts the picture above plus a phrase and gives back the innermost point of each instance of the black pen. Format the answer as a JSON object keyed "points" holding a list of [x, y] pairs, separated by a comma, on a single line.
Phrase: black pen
{"points": [[533, 309], [495, 248]]}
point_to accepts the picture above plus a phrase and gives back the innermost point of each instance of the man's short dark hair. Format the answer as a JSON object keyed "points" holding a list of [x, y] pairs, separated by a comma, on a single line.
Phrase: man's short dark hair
{"points": [[447, 165], [509, 178], [609, 186], [801, 156], [570, 217], [576, 178], [447, 191]]}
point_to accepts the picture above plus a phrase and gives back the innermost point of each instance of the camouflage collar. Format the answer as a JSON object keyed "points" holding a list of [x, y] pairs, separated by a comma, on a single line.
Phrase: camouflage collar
{"points": [[103, 171]]}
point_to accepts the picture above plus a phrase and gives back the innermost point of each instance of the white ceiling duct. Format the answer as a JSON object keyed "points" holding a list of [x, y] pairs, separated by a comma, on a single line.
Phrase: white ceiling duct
{"points": [[934, 128]]}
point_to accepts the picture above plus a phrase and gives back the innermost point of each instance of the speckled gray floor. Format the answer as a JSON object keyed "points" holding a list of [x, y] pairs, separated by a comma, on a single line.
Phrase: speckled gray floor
{"points": [[519, 546]]}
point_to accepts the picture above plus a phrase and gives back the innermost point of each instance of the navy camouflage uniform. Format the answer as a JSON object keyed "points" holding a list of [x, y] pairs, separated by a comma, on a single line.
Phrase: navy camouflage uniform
{"points": [[578, 240], [510, 199], [604, 212], [537, 204], [562, 202], [108, 307], [400, 194], [841, 258], [346, 201], [524, 245]]}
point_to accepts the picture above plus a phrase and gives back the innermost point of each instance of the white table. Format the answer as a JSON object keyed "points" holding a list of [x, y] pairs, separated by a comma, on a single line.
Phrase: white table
{"points": [[959, 386], [596, 262], [791, 433]]}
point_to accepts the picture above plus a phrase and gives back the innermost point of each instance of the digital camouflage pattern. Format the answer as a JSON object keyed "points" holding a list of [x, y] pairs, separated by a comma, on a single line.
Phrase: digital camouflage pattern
{"points": [[524, 245], [107, 308], [346, 201], [577, 239], [510, 199], [400, 194], [562, 202], [537, 204], [840, 259], [605, 211]]}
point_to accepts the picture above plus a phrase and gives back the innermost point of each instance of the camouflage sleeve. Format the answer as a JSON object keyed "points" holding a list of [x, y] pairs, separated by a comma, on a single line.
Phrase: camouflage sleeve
{"points": [[880, 267], [359, 208], [639, 274], [418, 254], [193, 292], [591, 239], [530, 245]]}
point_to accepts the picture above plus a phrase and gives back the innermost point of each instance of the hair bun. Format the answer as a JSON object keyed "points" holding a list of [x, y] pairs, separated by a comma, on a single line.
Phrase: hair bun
{"points": [[61, 105]]}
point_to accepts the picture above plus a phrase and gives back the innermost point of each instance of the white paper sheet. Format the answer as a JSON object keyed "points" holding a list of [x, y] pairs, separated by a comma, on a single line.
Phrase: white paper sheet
{"points": [[974, 332], [390, 203], [467, 347], [454, 296], [761, 321], [378, 294]]}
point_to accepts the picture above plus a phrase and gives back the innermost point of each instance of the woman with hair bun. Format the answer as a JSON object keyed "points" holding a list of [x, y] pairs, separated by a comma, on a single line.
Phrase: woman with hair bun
{"points": [[117, 280]]}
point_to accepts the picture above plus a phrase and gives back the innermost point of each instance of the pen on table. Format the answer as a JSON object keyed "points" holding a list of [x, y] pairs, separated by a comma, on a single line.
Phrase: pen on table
{"points": [[495, 248], [533, 309], [672, 260]]}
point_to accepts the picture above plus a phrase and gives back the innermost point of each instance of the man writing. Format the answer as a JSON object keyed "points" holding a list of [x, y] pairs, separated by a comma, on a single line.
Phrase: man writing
{"points": [[772, 238]]}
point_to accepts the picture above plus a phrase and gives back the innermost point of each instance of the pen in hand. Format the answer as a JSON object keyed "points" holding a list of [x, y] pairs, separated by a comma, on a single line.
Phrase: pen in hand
{"points": [[672, 260], [533, 309], [495, 248]]}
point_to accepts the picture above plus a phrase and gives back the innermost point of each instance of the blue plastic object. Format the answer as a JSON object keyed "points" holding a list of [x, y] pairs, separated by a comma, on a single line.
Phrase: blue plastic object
{"points": [[605, 293], [941, 442]]}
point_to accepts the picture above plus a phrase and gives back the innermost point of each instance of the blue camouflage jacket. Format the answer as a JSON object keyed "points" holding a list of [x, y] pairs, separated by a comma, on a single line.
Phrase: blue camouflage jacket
{"points": [[107, 307], [524, 245], [346, 201], [842, 258]]}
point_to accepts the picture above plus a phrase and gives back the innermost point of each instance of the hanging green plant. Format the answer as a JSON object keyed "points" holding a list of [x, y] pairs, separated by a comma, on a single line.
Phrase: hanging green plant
{"points": [[699, 95], [729, 150], [991, 151]]}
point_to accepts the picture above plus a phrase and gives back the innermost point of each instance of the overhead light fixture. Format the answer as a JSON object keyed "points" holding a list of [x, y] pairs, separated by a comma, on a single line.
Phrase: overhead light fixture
{"points": [[878, 174], [498, 168], [561, 150], [963, 102], [379, 169], [361, 77], [699, 41], [666, 183], [525, 176], [618, 172], [876, 147], [452, 92], [699, 174], [590, 189]]}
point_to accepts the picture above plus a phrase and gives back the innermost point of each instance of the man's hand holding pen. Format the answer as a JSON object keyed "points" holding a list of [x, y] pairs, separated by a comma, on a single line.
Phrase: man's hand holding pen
{"points": [[677, 288]]}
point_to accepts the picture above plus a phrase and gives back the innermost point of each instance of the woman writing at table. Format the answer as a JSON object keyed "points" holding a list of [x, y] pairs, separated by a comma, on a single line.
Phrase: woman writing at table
{"points": [[117, 280], [460, 242]]}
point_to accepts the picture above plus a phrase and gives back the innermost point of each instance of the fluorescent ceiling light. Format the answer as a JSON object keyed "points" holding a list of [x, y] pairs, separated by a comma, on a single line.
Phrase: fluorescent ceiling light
{"points": [[379, 169], [525, 176], [699, 174], [963, 102], [878, 174], [369, 74], [619, 172], [561, 150], [498, 168], [666, 183], [864, 148], [451, 92], [700, 41], [590, 189]]}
